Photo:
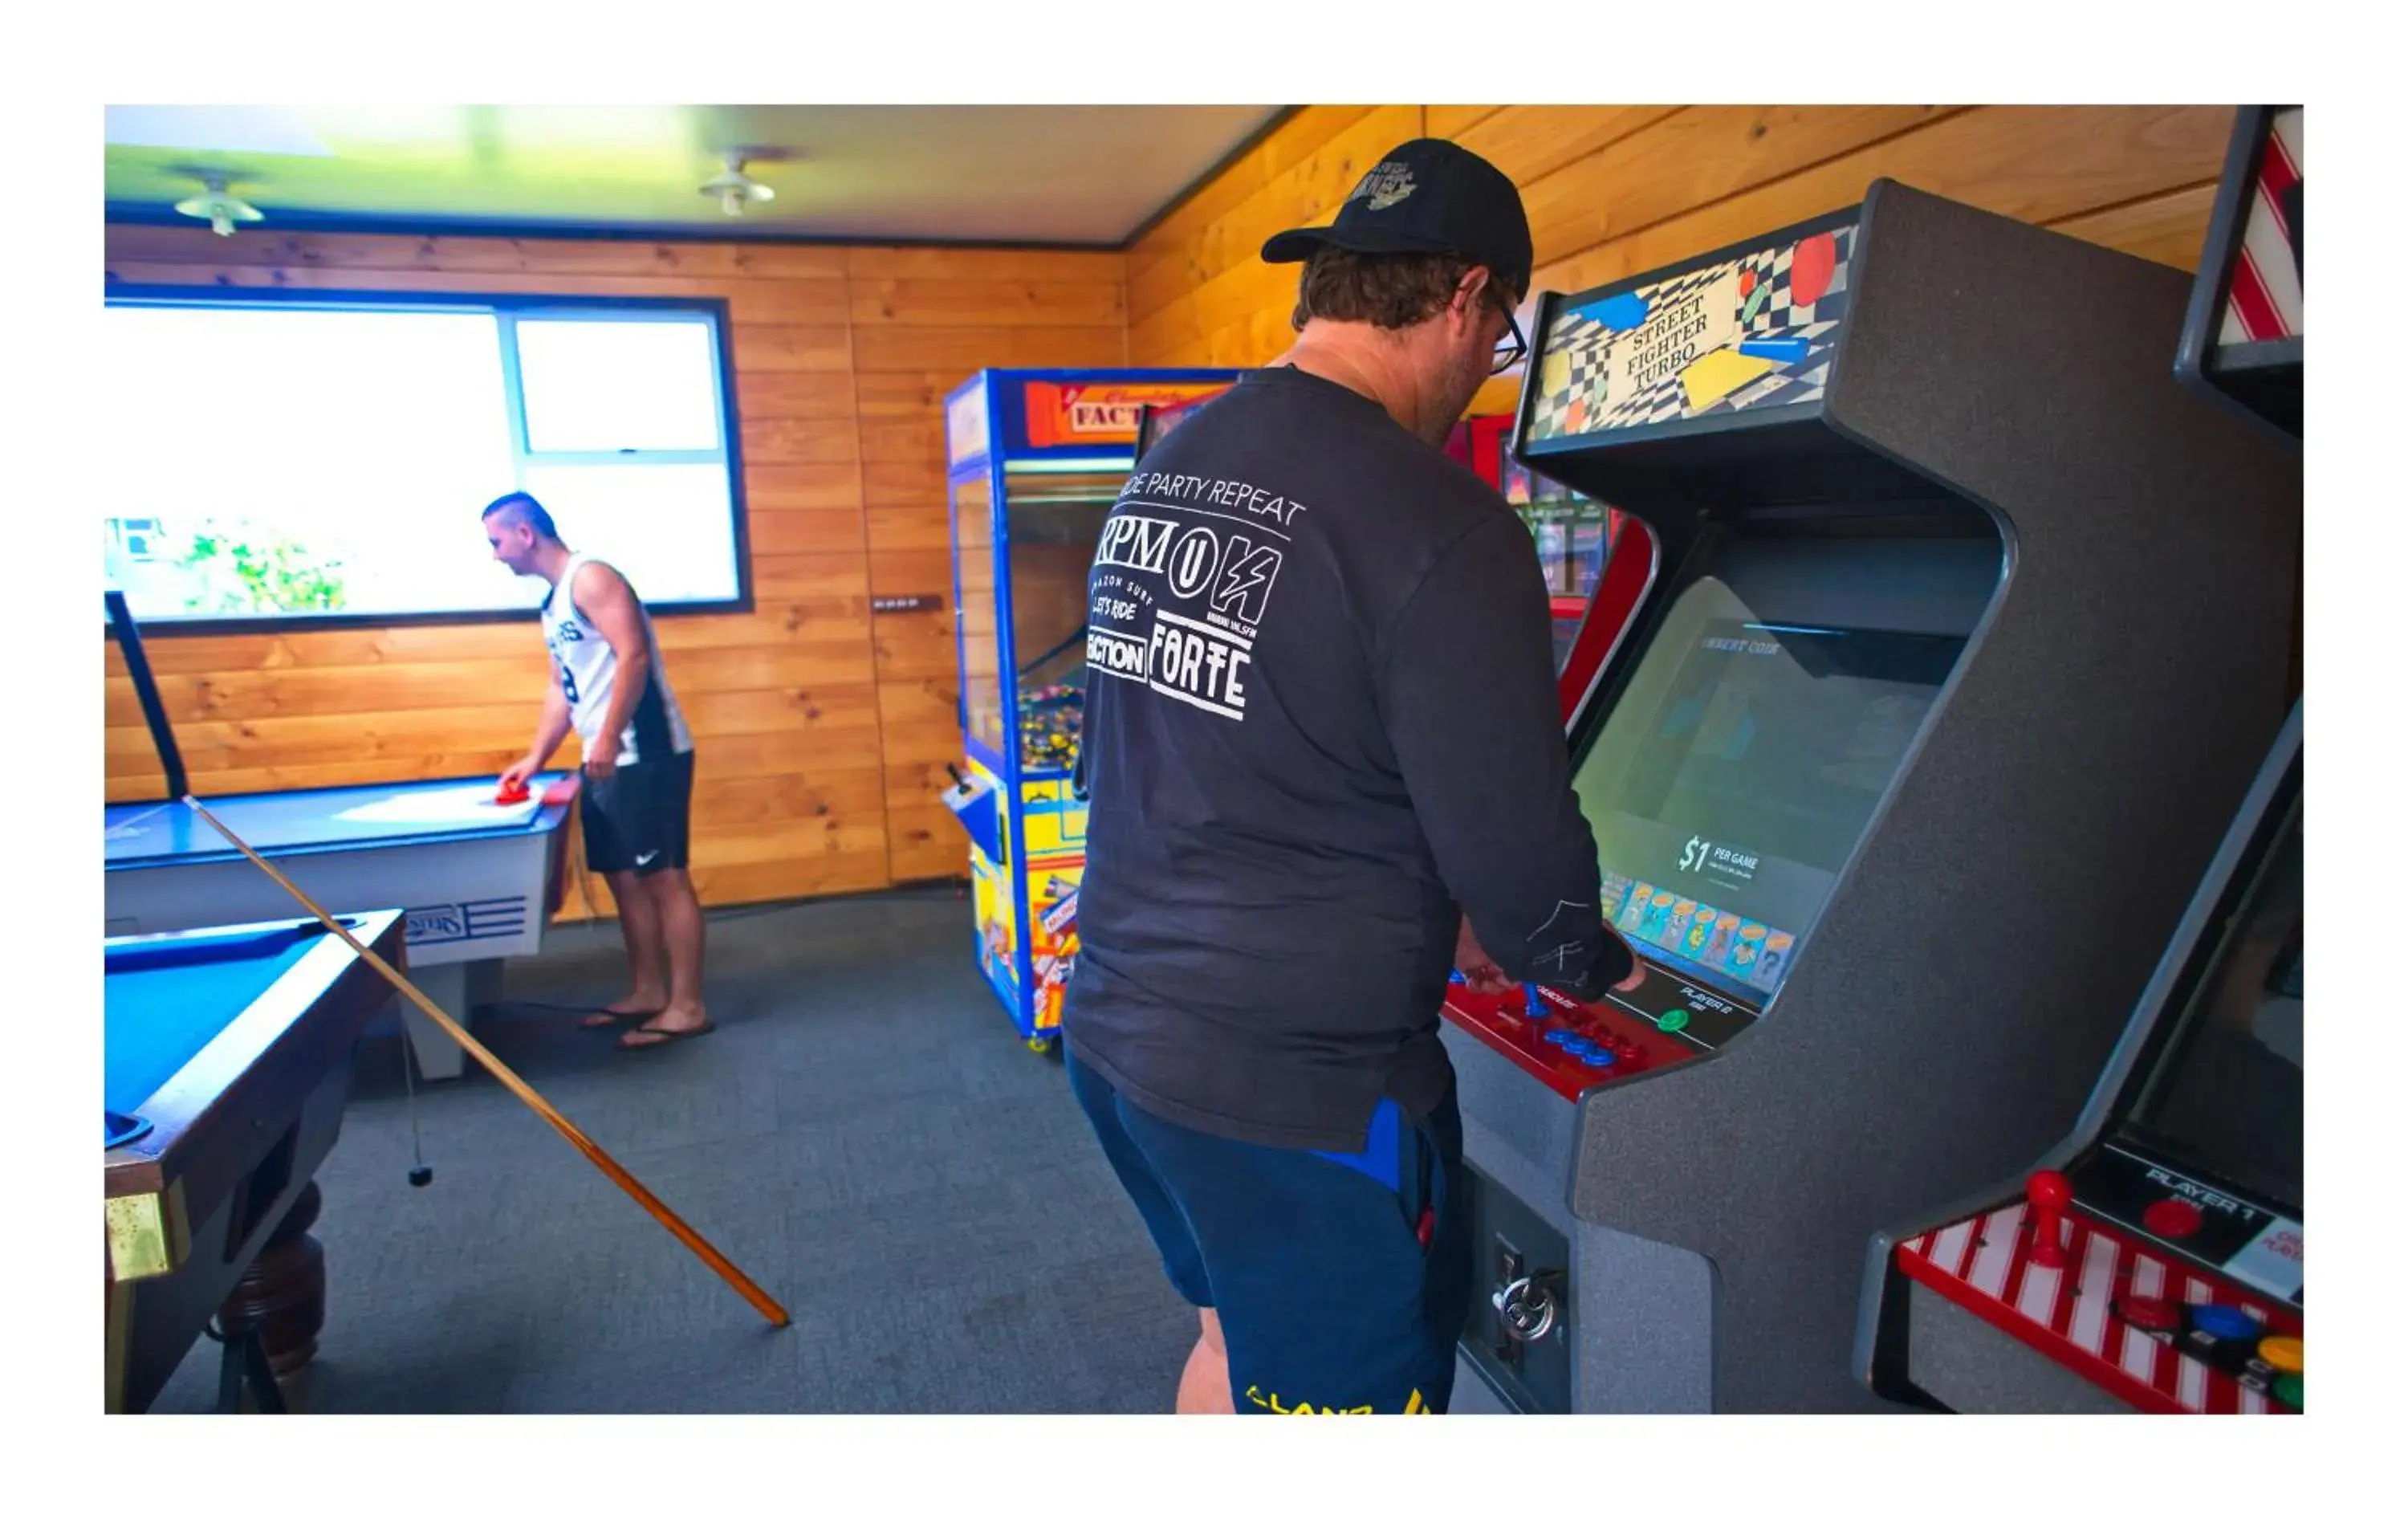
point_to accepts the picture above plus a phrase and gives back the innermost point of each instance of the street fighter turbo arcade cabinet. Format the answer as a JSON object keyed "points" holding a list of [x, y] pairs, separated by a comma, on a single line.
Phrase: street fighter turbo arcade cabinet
{"points": [[2155, 1259], [1034, 459], [1960, 610], [2242, 341]]}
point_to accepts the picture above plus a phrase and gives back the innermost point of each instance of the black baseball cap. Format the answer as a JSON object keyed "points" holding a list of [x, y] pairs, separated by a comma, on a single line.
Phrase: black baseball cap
{"points": [[1426, 196]]}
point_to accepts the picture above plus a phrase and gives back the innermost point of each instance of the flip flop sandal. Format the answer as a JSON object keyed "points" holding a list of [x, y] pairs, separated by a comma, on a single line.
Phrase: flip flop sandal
{"points": [[605, 1018], [660, 1036]]}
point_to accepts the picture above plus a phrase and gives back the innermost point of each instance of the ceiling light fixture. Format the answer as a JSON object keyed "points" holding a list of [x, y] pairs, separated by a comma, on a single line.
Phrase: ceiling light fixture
{"points": [[217, 209], [734, 186]]}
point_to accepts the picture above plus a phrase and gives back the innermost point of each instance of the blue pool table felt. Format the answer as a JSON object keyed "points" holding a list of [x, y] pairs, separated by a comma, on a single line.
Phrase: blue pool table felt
{"points": [[162, 1002], [308, 821]]}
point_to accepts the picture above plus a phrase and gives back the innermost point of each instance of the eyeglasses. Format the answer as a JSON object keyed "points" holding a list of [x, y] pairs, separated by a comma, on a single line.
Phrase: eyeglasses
{"points": [[1511, 348]]}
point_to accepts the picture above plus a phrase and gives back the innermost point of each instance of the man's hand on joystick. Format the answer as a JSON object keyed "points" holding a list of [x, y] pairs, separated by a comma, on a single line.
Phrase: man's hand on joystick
{"points": [[1479, 972]]}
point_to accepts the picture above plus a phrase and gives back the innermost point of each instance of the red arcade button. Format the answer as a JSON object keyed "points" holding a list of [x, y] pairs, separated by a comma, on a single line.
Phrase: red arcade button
{"points": [[2150, 1314], [2171, 1218]]}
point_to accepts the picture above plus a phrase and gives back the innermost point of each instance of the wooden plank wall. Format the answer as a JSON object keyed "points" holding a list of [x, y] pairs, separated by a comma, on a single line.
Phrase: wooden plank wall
{"points": [[1616, 190], [822, 733]]}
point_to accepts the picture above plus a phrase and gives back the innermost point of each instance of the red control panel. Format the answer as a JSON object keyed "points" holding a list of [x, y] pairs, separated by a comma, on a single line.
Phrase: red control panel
{"points": [[1568, 1044], [2134, 1310]]}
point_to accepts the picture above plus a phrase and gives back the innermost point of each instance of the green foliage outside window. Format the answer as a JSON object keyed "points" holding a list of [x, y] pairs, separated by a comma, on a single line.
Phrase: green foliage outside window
{"points": [[258, 572]]}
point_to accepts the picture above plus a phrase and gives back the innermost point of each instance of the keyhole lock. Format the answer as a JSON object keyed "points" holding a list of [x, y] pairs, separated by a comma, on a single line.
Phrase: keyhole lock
{"points": [[1526, 1306]]}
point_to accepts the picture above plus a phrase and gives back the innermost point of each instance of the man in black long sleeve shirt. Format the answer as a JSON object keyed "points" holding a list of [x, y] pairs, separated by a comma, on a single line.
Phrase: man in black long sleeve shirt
{"points": [[1321, 734]]}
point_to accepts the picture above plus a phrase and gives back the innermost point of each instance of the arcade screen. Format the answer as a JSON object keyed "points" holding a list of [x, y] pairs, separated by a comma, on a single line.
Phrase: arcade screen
{"points": [[2228, 1095], [1735, 774]]}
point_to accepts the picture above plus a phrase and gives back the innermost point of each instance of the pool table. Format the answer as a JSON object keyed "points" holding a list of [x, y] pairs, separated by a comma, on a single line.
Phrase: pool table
{"points": [[228, 1060], [477, 881]]}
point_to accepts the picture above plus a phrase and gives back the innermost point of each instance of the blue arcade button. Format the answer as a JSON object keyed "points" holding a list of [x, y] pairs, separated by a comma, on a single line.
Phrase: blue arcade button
{"points": [[1559, 1036], [2225, 1322], [1594, 1056]]}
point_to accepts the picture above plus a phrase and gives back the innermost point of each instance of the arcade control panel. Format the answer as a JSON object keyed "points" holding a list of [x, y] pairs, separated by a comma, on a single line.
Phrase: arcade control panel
{"points": [[2144, 1282], [1572, 1045]]}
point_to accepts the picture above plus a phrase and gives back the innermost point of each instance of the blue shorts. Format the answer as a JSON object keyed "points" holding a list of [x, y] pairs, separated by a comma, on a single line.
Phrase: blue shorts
{"points": [[1341, 1279]]}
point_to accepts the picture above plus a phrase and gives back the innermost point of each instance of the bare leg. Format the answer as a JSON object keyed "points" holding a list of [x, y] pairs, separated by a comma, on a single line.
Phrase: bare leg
{"points": [[1204, 1385], [681, 929], [639, 923]]}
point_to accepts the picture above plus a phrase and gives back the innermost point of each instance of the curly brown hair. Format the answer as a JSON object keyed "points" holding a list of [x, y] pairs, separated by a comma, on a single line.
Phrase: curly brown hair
{"points": [[1386, 290]]}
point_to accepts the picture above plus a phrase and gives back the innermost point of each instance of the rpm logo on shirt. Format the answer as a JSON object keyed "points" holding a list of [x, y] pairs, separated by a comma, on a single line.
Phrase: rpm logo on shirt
{"points": [[1134, 542], [1218, 573]]}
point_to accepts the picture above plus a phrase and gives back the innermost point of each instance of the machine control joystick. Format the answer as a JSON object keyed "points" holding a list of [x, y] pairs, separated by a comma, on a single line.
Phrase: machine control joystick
{"points": [[2049, 1194]]}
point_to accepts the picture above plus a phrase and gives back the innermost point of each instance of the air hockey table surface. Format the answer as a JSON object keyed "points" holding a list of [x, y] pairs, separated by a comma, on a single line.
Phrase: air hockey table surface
{"points": [[477, 880], [148, 834]]}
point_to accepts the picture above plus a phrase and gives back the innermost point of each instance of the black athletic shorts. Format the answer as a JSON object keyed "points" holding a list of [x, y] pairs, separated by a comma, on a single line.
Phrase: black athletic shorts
{"points": [[638, 818]]}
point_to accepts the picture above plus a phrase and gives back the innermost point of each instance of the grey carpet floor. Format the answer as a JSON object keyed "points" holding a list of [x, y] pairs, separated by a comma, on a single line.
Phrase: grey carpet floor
{"points": [[865, 1136]]}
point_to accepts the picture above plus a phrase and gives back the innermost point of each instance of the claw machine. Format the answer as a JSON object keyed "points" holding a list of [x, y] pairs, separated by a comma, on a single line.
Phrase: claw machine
{"points": [[1034, 459]]}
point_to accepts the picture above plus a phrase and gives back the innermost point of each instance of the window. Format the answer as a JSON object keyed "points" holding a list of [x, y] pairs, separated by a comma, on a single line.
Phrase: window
{"points": [[325, 459]]}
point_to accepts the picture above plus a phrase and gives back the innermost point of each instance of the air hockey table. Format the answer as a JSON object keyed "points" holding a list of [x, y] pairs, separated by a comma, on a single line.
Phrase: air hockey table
{"points": [[477, 880]]}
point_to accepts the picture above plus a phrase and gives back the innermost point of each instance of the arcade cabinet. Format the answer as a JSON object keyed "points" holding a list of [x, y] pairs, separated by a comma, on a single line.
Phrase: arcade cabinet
{"points": [[2241, 342], [2155, 1260], [1954, 609], [2152, 1259], [1035, 458]]}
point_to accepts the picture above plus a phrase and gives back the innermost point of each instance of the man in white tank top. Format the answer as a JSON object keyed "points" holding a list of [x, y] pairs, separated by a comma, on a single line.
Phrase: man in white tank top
{"points": [[607, 682]]}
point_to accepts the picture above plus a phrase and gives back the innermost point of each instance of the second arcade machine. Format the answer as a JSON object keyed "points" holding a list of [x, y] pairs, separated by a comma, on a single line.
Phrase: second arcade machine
{"points": [[1962, 637], [1034, 459], [2155, 1259]]}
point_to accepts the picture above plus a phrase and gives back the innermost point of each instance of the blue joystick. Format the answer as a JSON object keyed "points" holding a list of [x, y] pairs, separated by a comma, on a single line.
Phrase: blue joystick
{"points": [[1539, 1012]]}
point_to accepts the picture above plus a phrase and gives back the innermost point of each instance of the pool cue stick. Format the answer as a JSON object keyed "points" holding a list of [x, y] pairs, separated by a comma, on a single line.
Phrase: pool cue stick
{"points": [[769, 1306]]}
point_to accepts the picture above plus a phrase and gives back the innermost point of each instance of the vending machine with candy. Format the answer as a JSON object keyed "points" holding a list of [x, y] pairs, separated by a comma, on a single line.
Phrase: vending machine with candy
{"points": [[1034, 459]]}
